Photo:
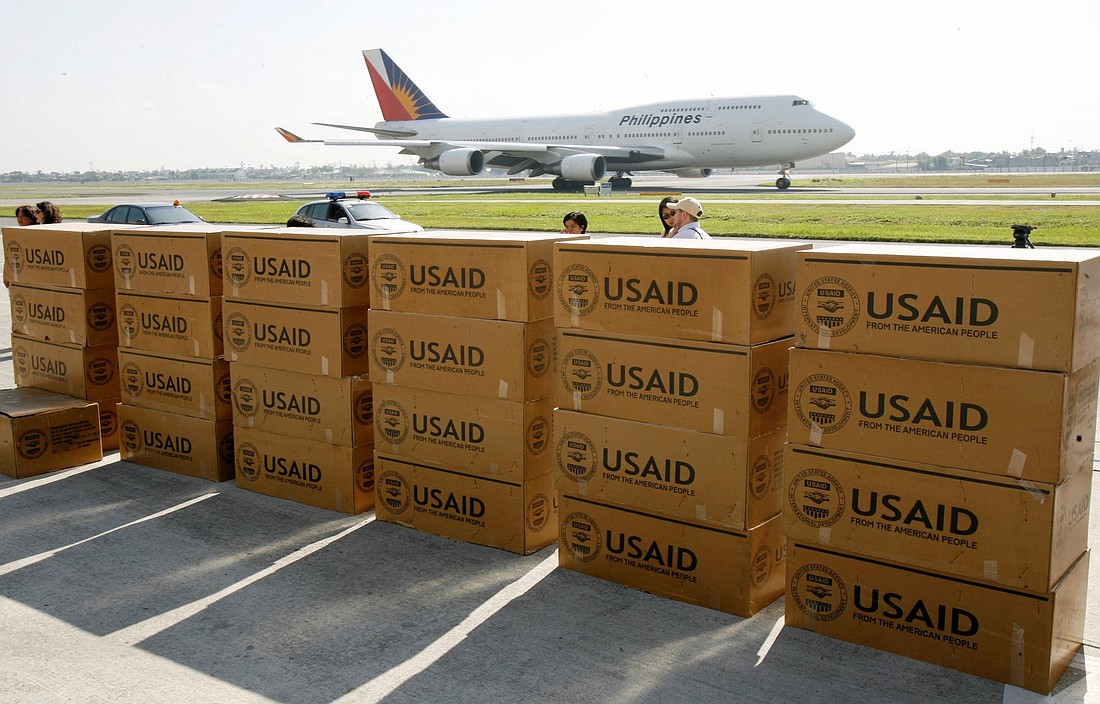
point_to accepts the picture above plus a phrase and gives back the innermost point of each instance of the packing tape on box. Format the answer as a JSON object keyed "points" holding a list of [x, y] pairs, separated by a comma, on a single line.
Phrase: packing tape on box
{"points": [[824, 340], [1016, 463], [324, 365], [328, 436], [1026, 355], [824, 535], [502, 389], [815, 434], [715, 324], [700, 512], [989, 569], [1035, 491], [191, 284], [1018, 668], [502, 305], [576, 400], [719, 422], [195, 347]]}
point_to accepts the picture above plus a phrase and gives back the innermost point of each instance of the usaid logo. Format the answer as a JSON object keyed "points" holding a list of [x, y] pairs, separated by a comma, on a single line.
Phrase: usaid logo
{"points": [[32, 443], [100, 316], [580, 536], [355, 270], [247, 461], [246, 397], [537, 436], [131, 437], [98, 258], [540, 279], [576, 456], [133, 380], [763, 296], [238, 331], [830, 306], [388, 276], [578, 289], [819, 592], [393, 493], [238, 267], [388, 350], [539, 511], [539, 358], [125, 261], [816, 498], [581, 374], [822, 403], [364, 475], [391, 422]]}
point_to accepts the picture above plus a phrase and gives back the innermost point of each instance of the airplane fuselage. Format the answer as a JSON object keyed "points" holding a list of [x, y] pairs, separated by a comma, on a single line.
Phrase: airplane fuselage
{"points": [[712, 133]]}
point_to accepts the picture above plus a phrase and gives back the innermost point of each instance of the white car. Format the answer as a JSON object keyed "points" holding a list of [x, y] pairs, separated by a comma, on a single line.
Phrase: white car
{"points": [[354, 209]]}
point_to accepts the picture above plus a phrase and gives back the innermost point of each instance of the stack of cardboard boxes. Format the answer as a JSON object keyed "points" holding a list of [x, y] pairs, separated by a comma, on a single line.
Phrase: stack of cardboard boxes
{"points": [[64, 340], [175, 381], [296, 336], [943, 407], [668, 439], [461, 359]]}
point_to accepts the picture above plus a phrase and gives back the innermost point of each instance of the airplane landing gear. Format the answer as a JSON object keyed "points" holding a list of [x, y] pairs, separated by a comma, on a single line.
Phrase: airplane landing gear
{"points": [[784, 180], [620, 183], [564, 185]]}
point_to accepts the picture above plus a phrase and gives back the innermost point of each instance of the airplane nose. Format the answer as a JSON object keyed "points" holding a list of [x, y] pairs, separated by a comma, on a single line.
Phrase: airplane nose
{"points": [[844, 133]]}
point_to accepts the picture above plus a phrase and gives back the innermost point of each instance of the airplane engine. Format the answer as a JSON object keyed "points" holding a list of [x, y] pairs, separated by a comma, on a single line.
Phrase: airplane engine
{"points": [[692, 173], [583, 167], [458, 162]]}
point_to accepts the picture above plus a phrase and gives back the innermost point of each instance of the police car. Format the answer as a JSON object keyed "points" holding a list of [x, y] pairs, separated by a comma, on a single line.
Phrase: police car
{"points": [[354, 209]]}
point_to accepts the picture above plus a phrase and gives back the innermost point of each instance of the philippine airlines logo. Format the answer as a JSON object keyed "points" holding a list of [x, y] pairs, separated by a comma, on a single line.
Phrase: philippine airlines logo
{"points": [[388, 275], [392, 422], [822, 402], [578, 289], [819, 592], [388, 350], [576, 456], [816, 498], [581, 374], [580, 536], [393, 492], [830, 306]]}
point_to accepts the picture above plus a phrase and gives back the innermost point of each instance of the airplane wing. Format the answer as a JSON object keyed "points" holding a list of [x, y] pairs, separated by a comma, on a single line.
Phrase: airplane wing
{"points": [[500, 154]]}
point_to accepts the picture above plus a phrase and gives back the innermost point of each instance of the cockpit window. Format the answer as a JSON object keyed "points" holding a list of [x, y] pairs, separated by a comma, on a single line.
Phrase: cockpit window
{"points": [[801, 102]]}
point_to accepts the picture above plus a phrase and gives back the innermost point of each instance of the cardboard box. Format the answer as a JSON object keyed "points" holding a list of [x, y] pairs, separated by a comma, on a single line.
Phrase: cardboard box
{"points": [[519, 517], [72, 254], [681, 474], [1032, 425], [180, 260], [1007, 531], [307, 406], [335, 477], [1025, 308], [108, 424], [299, 266], [721, 290], [705, 386], [493, 275], [179, 325], [738, 572], [190, 386], [485, 437], [75, 316], [41, 431], [177, 443], [84, 372], [489, 358], [312, 340], [1020, 638]]}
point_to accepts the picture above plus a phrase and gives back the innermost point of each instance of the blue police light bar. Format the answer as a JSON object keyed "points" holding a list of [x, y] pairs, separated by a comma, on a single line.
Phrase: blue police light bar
{"points": [[334, 195]]}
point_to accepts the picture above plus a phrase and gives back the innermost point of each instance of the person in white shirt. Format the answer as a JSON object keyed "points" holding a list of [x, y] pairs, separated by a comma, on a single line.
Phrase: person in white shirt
{"points": [[685, 221]]}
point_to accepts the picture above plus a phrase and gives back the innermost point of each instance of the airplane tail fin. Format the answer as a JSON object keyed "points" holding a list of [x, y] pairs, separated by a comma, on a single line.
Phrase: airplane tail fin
{"points": [[398, 97], [291, 137]]}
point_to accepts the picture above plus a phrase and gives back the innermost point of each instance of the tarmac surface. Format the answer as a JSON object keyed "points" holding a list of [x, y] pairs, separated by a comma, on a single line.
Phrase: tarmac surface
{"points": [[124, 583]]}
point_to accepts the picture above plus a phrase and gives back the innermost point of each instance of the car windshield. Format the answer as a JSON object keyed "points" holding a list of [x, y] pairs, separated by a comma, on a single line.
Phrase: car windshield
{"points": [[369, 211], [169, 214]]}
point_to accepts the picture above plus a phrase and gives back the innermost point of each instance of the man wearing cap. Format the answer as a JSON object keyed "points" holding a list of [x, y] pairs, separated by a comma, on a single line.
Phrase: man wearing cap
{"points": [[685, 220]]}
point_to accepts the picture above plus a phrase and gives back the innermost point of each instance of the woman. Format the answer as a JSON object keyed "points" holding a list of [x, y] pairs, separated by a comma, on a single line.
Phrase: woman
{"points": [[666, 214], [575, 223], [27, 215], [50, 212]]}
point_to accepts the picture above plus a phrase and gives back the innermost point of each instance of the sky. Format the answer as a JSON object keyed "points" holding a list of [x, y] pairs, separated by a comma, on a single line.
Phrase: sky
{"points": [[111, 85]]}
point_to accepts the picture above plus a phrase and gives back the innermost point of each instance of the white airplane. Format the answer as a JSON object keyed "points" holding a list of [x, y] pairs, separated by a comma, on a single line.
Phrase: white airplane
{"points": [[688, 138]]}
